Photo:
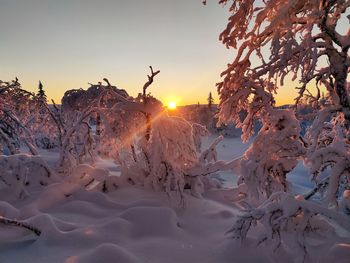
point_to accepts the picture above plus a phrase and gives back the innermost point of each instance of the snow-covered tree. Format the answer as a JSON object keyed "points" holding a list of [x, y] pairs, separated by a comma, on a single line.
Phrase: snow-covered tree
{"points": [[300, 35], [18, 116], [274, 152], [41, 92], [303, 41], [279, 39], [210, 101], [25, 120]]}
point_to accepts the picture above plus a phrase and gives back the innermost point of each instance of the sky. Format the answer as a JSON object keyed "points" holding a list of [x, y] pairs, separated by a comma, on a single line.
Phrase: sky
{"points": [[67, 43]]}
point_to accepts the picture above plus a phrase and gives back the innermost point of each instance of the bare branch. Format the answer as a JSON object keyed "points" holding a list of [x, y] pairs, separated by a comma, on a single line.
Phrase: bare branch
{"points": [[150, 80], [12, 222]]}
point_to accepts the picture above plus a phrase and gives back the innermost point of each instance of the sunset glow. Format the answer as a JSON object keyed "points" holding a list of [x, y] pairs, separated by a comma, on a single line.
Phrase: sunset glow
{"points": [[78, 47], [172, 105]]}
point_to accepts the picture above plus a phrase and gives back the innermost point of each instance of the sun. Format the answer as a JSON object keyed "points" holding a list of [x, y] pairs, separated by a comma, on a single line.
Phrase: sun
{"points": [[172, 105]]}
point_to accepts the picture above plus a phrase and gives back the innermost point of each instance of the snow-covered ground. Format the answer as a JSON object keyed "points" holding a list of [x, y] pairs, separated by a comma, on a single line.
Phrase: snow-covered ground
{"points": [[138, 225]]}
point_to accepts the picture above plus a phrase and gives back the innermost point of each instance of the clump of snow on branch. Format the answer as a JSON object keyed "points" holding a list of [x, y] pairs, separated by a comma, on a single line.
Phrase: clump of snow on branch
{"points": [[274, 152], [329, 148]]}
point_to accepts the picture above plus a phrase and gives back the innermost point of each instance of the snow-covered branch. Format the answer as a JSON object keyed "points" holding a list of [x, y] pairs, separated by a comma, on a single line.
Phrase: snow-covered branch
{"points": [[13, 222], [286, 221]]}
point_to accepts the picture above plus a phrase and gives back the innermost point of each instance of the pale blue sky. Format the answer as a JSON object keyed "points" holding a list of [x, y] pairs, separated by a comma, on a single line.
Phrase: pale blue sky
{"points": [[67, 43]]}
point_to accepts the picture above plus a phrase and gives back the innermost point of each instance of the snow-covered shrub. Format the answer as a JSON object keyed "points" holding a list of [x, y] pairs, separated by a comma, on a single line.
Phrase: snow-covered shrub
{"points": [[77, 144], [288, 222], [274, 152], [171, 150], [17, 111], [117, 117], [160, 162], [19, 172], [94, 178], [45, 131], [171, 160], [153, 149], [329, 147], [24, 119]]}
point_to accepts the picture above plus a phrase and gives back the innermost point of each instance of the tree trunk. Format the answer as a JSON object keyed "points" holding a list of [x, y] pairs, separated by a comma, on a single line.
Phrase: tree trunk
{"points": [[148, 126], [339, 70], [98, 124], [341, 90]]}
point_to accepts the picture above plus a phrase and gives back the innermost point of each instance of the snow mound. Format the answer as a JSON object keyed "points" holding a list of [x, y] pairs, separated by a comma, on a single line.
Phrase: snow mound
{"points": [[152, 221], [106, 253], [339, 253]]}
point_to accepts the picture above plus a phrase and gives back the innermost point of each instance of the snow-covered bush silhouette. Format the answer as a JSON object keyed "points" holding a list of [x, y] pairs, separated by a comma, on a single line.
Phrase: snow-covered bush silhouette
{"points": [[288, 222], [24, 120], [20, 172]]}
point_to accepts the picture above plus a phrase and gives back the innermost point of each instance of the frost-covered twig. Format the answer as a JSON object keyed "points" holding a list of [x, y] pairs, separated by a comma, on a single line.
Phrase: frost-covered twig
{"points": [[210, 168], [27, 141], [329, 147], [57, 120], [211, 154], [319, 187]]}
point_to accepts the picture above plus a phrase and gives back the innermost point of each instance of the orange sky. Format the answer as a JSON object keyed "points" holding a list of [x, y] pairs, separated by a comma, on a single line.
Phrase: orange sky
{"points": [[164, 91], [67, 44]]}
